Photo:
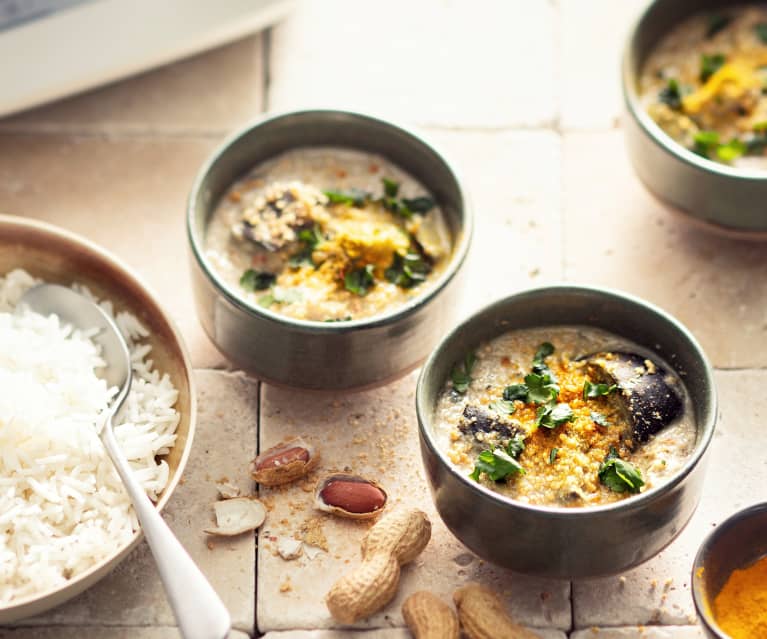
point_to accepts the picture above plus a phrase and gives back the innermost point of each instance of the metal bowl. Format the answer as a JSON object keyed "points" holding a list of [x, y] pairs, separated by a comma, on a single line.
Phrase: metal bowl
{"points": [[568, 543], [728, 198], [733, 544], [319, 355], [58, 256]]}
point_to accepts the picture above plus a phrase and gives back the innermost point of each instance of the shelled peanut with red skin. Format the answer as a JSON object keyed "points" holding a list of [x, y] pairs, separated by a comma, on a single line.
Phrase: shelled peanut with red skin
{"points": [[285, 462]]}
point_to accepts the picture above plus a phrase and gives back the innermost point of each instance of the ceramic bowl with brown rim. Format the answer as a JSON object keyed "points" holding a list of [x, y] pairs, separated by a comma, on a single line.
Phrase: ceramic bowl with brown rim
{"points": [[58, 256]]}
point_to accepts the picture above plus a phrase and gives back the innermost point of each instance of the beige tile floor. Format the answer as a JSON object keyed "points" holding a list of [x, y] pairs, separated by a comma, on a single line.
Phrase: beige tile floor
{"points": [[526, 101]]}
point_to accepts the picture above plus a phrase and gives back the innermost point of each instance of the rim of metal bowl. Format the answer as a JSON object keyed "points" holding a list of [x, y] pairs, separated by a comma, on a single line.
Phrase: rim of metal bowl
{"points": [[103, 254], [705, 430], [630, 78], [702, 605], [462, 239]]}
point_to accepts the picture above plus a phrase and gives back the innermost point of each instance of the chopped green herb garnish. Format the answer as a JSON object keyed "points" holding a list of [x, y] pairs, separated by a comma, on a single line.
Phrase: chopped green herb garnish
{"points": [[279, 297], [515, 446], [422, 204], [592, 391], [502, 407], [310, 238], [461, 373], [539, 359], [391, 188], [553, 455], [393, 205], [716, 22], [350, 197], [348, 318], [407, 270], [705, 142], [497, 465], [540, 388], [253, 280], [671, 95], [360, 280], [618, 475], [552, 415], [731, 151], [515, 391], [761, 127], [761, 31], [710, 64], [599, 418]]}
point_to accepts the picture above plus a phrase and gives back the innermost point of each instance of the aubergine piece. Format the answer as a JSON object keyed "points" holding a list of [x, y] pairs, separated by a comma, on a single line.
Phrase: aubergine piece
{"points": [[647, 391], [475, 420]]}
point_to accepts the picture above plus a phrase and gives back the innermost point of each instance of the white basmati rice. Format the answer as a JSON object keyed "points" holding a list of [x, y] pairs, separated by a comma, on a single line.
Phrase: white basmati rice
{"points": [[62, 505]]}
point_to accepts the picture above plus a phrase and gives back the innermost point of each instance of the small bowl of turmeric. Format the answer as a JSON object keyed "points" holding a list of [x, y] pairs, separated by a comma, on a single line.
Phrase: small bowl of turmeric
{"points": [[729, 577]]}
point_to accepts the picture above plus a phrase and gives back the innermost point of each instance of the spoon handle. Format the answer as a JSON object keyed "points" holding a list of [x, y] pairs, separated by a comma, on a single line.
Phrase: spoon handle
{"points": [[199, 611]]}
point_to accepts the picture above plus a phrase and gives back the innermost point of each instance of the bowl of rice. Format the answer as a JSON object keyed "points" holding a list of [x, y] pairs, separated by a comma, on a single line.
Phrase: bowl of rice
{"points": [[65, 518]]}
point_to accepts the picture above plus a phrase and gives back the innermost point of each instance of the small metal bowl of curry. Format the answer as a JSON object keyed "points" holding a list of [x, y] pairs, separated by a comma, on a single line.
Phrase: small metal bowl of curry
{"points": [[560, 422], [729, 577], [325, 248], [694, 78]]}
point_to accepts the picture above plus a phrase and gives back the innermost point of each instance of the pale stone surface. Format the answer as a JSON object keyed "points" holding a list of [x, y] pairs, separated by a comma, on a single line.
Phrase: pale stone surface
{"points": [[593, 34], [210, 92], [641, 632], [224, 444], [127, 195], [100, 632], [619, 235], [391, 633], [373, 434], [430, 62], [513, 184], [658, 592]]}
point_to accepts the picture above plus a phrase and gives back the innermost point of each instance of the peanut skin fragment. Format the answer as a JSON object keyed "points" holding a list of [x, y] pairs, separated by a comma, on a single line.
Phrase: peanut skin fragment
{"points": [[395, 540], [285, 462], [483, 615], [428, 617]]}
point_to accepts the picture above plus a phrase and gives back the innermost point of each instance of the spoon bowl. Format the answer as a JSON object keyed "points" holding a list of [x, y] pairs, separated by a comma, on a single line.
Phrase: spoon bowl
{"points": [[199, 611]]}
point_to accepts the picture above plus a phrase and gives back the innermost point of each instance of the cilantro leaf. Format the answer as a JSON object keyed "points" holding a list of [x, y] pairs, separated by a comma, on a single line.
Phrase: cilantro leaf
{"points": [[330, 320], [310, 239], [599, 418], [671, 94], [422, 204], [552, 415], [553, 455], [350, 197], [252, 280], [360, 280], [540, 388], [515, 391], [592, 391], [391, 188], [496, 464], [461, 373], [539, 360], [398, 207], [732, 150], [705, 142], [716, 22], [761, 31], [503, 407], [407, 270], [710, 64], [618, 475], [515, 446], [279, 297]]}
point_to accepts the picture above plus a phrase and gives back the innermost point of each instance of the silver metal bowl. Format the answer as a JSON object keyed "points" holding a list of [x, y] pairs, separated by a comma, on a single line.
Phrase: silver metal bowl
{"points": [[317, 355], [728, 198], [733, 544], [568, 543]]}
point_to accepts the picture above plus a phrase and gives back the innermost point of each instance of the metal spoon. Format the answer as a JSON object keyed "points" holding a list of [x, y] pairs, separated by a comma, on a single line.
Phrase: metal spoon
{"points": [[199, 611]]}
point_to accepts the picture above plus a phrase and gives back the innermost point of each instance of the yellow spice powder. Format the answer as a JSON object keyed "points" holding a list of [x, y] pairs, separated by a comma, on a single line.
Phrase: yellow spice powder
{"points": [[740, 608]]}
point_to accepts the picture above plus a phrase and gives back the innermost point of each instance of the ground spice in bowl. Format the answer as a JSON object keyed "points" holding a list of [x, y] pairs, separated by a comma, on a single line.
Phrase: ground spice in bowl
{"points": [[740, 608]]}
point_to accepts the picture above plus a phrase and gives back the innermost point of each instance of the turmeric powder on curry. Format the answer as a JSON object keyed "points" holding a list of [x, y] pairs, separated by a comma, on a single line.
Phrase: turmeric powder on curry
{"points": [[740, 608]]}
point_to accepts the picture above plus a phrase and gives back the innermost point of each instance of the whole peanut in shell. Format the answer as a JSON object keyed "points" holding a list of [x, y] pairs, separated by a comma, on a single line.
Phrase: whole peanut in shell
{"points": [[395, 540]]}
